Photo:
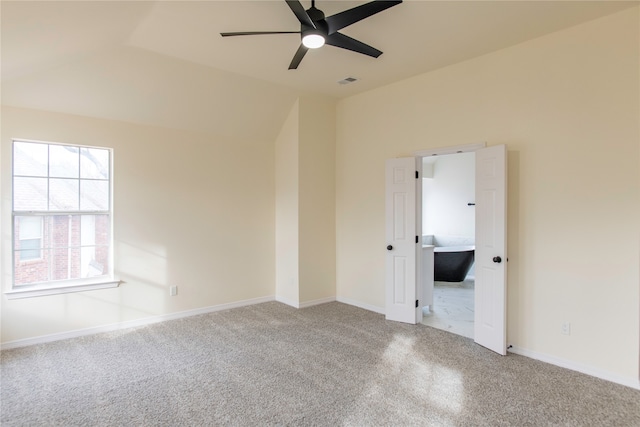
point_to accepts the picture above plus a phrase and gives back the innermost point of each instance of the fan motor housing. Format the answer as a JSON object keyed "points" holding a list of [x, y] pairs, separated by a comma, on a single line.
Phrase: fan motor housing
{"points": [[317, 16]]}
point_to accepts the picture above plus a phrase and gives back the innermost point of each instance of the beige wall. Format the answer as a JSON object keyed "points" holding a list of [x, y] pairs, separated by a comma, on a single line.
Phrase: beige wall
{"points": [[191, 210], [317, 199], [287, 201], [305, 203], [567, 106]]}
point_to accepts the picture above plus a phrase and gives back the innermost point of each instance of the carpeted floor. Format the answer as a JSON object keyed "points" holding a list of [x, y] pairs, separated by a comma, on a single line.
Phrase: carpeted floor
{"points": [[270, 364]]}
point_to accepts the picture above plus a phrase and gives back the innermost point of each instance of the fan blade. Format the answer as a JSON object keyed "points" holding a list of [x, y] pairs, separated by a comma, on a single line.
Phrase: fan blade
{"points": [[300, 53], [256, 33], [346, 42], [300, 13], [340, 20]]}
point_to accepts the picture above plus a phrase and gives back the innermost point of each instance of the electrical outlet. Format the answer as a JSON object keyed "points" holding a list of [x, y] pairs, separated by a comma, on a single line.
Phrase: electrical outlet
{"points": [[566, 328], [173, 291]]}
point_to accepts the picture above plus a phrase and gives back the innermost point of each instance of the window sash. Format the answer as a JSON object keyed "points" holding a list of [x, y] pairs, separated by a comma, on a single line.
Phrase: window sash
{"points": [[61, 187], [71, 247]]}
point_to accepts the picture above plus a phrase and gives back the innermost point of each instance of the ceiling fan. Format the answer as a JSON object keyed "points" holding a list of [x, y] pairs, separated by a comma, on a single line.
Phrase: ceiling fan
{"points": [[316, 30]]}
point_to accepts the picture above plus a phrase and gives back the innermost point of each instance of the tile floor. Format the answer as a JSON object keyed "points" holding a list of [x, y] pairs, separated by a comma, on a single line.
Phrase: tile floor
{"points": [[452, 309]]}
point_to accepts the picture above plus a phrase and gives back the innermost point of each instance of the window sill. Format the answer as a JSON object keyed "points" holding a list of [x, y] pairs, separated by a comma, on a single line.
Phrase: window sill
{"points": [[43, 290]]}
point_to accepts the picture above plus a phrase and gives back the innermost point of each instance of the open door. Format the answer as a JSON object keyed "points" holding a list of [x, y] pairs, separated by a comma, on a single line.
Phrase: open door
{"points": [[490, 328], [403, 224]]}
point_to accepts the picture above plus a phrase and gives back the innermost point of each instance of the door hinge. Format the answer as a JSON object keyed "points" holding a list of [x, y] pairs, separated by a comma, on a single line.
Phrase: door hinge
{"points": [[417, 174], [417, 304], [416, 239]]}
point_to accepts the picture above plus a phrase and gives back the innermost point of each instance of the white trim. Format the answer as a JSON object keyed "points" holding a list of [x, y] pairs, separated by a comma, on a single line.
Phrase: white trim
{"points": [[468, 148], [311, 303], [43, 290], [69, 144], [132, 323], [316, 302], [375, 309], [287, 301], [568, 364]]}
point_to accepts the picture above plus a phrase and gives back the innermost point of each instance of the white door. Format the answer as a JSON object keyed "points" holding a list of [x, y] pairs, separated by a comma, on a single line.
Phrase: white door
{"points": [[403, 218], [490, 328]]}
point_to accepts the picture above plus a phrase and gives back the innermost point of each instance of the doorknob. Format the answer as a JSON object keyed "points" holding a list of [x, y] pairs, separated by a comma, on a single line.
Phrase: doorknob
{"points": [[389, 247], [497, 259]]}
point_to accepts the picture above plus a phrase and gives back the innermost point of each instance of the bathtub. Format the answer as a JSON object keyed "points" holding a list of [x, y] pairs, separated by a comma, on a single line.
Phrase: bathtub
{"points": [[452, 263]]}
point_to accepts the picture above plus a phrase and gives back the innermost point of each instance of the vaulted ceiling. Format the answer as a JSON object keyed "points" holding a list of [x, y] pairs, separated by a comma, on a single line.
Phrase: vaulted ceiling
{"points": [[164, 63]]}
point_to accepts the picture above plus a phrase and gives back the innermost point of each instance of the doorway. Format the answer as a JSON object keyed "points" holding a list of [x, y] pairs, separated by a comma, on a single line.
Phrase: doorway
{"points": [[405, 296], [448, 230]]}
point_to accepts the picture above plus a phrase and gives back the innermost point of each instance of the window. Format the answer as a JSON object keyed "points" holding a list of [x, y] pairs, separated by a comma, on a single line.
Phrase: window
{"points": [[29, 232], [61, 218]]}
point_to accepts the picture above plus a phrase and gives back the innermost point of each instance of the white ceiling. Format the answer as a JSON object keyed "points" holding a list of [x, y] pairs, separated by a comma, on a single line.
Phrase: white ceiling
{"points": [[165, 63]]}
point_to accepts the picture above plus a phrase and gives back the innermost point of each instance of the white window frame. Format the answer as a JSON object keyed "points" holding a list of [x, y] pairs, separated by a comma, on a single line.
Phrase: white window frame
{"points": [[53, 287]]}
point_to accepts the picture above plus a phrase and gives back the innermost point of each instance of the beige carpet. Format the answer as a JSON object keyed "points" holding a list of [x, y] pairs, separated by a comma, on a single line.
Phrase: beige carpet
{"points": [[270, 364]]}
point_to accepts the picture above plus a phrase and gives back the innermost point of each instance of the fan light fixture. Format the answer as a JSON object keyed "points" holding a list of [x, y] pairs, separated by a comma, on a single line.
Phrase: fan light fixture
{"points": [[317, 30], [313, 41]]}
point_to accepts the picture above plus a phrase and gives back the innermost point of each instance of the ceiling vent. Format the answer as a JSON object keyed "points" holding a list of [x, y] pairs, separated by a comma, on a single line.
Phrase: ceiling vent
{"points": [[347, 80]]}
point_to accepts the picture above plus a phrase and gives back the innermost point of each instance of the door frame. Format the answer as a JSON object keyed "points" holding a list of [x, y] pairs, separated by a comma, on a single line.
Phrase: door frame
{"points": [[456, 149]]}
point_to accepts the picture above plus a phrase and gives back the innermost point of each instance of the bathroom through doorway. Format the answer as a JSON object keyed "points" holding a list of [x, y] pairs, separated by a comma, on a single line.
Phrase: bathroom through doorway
{"points": [[404, 285], [448, 240]]}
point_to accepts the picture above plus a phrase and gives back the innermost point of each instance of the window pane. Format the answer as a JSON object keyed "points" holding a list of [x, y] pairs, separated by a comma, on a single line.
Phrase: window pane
{"points": [[63, 194], [30, 159], [88, 230], [30, 249], [103, 230], [95, 250], [64, 161], [91, 266], [30, 194], [65, 263], [59, 230], [28, 227], [102, 257], [28, 237], [31, 271], [94, 163], [94, 195]]}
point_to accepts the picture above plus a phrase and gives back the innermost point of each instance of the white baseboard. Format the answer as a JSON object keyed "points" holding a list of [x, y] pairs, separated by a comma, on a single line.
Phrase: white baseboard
{"points": [[289, 302], [362, 305], [568, 364], [316, 302], [132, 323], [306, 304]]}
